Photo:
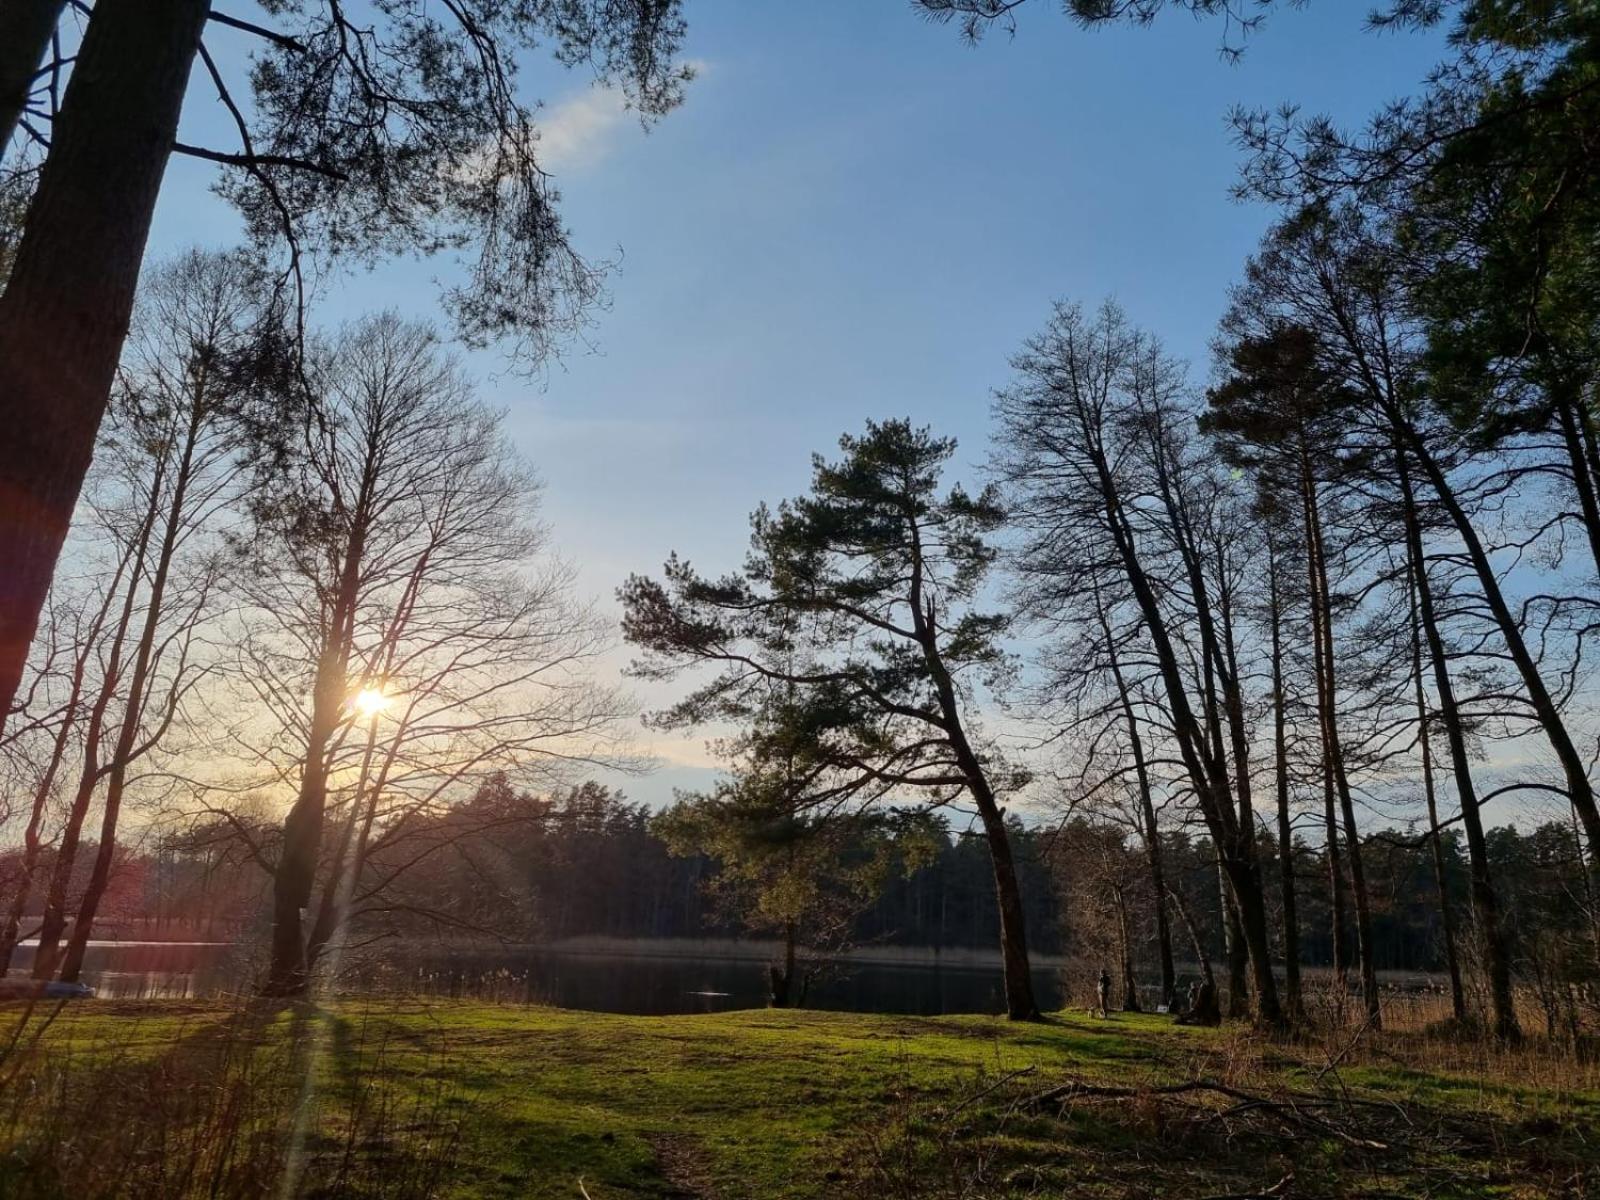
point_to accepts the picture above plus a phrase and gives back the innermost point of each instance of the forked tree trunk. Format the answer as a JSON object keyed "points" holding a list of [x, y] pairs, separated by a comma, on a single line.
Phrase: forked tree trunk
{"points": [[294, 879], [65, 310]]}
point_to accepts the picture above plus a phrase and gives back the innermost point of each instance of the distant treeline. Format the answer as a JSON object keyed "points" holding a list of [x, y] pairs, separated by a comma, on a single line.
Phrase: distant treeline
{"points": [[589, 862]]}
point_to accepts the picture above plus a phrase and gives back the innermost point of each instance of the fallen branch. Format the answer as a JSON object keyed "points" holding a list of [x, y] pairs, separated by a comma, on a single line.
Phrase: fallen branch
{"points": [[992, 1088], [1289, 1108]]}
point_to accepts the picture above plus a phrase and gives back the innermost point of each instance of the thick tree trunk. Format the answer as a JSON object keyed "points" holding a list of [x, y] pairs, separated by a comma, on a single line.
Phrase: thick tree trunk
{"points": [[26, 27], [1233, 944], [1020, 1004], [1293, 998], [64, 313], [289, 971], [1485, 904]]}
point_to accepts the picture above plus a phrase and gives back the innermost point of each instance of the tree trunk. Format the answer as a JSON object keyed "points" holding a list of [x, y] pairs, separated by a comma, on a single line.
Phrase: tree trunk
{"points": [[1574, 768], [1583, 481], [138, 682], [1237, 953], [1447, 919], [1322, 602], [1206, 771], [54, 921], [295, 877], [1130, 985], [1020, 1003], [1202, 957], [1149, 831], [1294, 1000], [32, 842], [1485, 904], [65, 310], [26, 27], [288, 973]]}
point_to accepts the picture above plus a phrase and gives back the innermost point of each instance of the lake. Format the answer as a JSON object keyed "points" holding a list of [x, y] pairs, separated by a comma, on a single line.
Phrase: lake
{"points": [[641, 979]]}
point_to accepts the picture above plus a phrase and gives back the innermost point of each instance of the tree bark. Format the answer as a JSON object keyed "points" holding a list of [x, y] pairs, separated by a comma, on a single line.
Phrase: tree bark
{"points": [[1233, 943], [65, 310], [1485, 904]]}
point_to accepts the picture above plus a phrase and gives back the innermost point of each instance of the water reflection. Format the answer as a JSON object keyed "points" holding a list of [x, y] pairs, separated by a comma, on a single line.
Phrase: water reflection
{"points": [[641, 984]]}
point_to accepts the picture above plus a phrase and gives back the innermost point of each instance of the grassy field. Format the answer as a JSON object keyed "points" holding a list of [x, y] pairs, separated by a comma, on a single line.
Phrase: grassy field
{"points": [[395, 1099]]}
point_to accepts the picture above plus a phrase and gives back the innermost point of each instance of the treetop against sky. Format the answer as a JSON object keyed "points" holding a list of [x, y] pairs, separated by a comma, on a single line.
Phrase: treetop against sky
{"points": [[854, 214]]}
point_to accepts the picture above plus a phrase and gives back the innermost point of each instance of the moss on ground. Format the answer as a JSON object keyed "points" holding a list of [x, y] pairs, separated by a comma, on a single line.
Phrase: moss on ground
{"points": [[550, 1103]]}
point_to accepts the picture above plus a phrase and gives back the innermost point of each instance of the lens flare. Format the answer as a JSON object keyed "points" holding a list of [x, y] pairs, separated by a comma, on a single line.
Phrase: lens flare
{"points": [[369, 702]]}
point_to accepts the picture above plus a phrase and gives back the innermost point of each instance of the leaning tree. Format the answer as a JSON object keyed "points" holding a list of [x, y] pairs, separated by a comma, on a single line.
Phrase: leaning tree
{"points": [[358, 134], [857, 606]]}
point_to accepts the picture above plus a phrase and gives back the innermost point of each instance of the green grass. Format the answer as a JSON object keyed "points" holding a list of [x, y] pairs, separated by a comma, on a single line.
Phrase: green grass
{"points": [[810, 1104]]}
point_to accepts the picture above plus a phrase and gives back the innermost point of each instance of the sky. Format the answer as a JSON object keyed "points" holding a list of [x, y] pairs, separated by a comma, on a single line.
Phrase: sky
{"points": [[854, 215]]}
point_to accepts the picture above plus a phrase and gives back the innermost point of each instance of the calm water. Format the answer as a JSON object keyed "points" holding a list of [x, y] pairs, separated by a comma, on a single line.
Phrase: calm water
{"points": [[622, 983]]}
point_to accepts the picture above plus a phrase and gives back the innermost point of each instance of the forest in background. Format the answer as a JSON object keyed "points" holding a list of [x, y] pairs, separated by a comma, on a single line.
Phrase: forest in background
{"points": [[308, 610]]}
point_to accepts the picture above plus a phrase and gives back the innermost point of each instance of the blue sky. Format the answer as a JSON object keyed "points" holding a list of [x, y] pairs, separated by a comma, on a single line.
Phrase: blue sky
{"points": [[855, 214]]}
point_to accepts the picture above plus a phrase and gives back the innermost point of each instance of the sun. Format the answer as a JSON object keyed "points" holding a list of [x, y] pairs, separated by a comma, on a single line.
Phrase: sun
{"points": [[369, 702]]}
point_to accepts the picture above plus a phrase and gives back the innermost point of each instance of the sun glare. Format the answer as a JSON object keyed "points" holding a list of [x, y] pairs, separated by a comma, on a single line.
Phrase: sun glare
{"points": [[369, 702]]}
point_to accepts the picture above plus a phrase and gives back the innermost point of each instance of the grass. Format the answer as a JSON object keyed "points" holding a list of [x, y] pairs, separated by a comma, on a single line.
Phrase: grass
{"points": [[479, 1100]]}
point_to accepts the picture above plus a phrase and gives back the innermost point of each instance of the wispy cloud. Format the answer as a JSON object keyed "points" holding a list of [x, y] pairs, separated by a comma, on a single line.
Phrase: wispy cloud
{"points": [[578, 132]]}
